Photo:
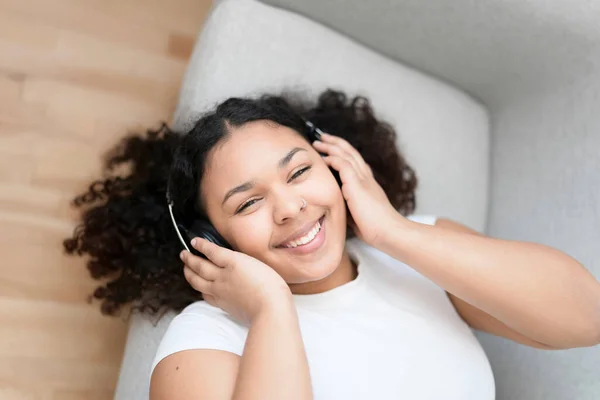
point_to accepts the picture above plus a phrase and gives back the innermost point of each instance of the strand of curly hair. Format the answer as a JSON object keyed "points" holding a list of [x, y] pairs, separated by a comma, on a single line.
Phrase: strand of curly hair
{"points": [[125, 228]]}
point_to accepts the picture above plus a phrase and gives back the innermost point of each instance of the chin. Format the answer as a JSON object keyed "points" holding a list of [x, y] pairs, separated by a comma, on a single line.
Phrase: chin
{"points": [[324, 274], [320, 269]]}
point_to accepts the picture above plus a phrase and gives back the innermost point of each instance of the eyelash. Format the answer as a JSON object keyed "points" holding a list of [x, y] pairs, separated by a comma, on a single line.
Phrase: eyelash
{"points": [[296, 175]]}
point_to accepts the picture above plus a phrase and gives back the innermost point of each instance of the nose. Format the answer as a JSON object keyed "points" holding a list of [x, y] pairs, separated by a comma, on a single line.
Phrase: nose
{"points": [[288, 207]]}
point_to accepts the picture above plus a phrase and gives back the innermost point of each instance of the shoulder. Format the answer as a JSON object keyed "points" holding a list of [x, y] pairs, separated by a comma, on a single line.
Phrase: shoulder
{"points": [[357, 246], [401, 284], [382, 265], [443, 222], [201, 326]]}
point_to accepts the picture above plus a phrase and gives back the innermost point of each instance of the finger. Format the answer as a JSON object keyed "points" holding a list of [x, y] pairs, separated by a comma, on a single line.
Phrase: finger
{"points": [[343, 143], [334, 150], [198, 283], [204, 268], [343, 166], [220, 256]]}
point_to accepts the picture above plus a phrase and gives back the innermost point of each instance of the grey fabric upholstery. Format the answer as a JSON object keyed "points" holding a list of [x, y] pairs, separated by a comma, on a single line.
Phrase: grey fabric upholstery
{"points": [[497, 50], [535, 64], [534, 69]]}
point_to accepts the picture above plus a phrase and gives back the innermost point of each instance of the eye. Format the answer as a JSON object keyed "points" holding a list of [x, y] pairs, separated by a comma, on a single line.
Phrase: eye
{"points": [[246, 205], [298, 173], [295, 176]]}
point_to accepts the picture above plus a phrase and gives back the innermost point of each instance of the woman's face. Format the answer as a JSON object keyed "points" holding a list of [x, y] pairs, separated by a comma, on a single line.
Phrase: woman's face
{"points": [[253, 189]]}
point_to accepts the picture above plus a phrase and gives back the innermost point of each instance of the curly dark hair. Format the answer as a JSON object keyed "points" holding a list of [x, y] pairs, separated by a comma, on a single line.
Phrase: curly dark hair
{"points": [[125, 225]]}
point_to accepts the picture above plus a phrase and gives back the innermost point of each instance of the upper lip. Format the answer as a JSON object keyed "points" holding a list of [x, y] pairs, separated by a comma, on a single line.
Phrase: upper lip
{"points": [[298, 233]]}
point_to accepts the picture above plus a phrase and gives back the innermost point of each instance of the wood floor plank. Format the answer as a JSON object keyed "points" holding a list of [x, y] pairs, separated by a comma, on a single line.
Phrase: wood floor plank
{"points": [[19, 30], [10, 88], [41, 272], [59, 373], [19, 59], [76, 16], [184, 16], [16, 169], [10, 391], [69, 394], [68, 96], [30, 199], [86, 51], [53, 330], [75, 77]]}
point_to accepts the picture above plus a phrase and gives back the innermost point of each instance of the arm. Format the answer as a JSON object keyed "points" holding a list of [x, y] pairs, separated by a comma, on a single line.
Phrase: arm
{"points": [[273, 365], [195, 375], [536, 291], [479, 319]]}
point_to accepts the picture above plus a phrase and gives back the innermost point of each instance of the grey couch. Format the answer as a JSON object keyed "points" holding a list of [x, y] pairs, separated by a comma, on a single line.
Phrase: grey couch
{"points": [[497, 106]]}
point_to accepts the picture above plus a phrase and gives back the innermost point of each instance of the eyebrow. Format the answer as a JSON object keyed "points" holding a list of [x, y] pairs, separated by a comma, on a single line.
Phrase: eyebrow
{"points": [[250, 184]]}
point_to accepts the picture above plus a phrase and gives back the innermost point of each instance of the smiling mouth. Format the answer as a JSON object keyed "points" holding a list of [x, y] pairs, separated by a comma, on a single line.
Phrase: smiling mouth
{"points": [[306, 239]]}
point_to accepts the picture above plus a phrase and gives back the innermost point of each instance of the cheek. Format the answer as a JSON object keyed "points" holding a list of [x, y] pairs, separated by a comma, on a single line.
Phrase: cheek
{"points": [[251, 234], [334, 198], [324, 188], [328, 193]]}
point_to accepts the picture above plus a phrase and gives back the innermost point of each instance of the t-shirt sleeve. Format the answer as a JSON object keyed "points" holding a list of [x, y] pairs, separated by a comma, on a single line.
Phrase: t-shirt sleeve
{"points": [[201, 326], [423, 218]]}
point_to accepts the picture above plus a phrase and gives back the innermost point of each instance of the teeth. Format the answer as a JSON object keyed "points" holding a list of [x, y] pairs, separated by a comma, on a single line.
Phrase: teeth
{"points": [[306, 238]]}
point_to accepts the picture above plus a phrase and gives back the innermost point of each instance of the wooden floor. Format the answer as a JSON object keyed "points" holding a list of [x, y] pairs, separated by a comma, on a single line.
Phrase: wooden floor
{"points": [[75, 76]]}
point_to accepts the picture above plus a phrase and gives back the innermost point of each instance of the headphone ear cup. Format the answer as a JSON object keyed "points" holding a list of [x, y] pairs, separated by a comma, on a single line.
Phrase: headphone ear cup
{"points": [[204, 229]]}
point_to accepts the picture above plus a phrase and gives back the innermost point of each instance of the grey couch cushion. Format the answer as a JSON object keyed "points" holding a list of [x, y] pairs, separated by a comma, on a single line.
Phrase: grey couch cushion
{"points": [[497, 50], [247, 47], [536, 65]]}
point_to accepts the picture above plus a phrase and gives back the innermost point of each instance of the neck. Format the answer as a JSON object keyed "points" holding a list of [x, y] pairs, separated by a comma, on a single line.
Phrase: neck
{"points": [[345, 272]]}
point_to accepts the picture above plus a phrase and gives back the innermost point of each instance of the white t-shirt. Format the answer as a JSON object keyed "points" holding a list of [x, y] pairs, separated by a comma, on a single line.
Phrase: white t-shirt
{"points": [[389, 334]]}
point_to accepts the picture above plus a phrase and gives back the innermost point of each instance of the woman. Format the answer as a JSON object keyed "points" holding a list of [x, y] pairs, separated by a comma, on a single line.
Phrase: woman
{"points": [[329, 290]]}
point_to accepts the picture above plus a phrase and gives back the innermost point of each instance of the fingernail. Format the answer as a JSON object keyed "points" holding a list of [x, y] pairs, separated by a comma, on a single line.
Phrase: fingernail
{"points": [[193, 241], [182, 255], [317, 142]]}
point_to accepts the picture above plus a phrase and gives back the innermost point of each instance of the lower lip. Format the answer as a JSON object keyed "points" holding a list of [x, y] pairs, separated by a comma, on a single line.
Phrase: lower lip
{"points": [[311, 246]]}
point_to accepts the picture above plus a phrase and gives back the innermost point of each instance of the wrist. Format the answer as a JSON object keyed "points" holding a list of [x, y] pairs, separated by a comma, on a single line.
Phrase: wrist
{"points": [[396, 227], [278, 302]]}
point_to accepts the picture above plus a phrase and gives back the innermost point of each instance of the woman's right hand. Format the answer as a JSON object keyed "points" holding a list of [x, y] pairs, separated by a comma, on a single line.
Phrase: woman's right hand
{"points": [[237, 283]]}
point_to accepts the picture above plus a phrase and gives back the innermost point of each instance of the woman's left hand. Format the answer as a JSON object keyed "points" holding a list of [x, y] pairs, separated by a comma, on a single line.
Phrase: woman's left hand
{"points": [[372, 212]]}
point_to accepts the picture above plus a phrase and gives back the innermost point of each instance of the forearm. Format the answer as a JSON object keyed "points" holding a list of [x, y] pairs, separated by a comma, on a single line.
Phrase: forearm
{"points": [[536, 290], [274, 364]]}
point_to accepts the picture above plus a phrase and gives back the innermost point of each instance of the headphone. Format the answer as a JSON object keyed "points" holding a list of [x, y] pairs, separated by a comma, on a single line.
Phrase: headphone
{"points": [[202, 228]]}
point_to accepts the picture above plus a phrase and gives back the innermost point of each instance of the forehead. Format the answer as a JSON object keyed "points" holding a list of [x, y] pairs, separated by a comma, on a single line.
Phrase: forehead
{"points": [[256, 139], [247, 153]]}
